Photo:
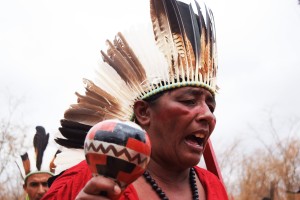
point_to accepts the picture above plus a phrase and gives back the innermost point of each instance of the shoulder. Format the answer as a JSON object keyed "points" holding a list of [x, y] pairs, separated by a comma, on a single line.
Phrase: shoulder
{"points": [[80, 170], [70, 182], [213, 186], [205, 174]]}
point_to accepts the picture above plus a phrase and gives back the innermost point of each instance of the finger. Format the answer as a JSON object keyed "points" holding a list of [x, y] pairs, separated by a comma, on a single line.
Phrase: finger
{"points": [[84, 196], [101, 185], [116, 192]]}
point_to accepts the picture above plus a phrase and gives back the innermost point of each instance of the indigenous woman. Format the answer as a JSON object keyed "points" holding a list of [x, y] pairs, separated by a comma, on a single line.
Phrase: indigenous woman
{"points": [[163, 79]]}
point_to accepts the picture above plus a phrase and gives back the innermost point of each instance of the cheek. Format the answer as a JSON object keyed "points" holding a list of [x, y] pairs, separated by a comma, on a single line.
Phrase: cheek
{"points": [[213, 125], [30, 191], [171, 112], [170, 122]]}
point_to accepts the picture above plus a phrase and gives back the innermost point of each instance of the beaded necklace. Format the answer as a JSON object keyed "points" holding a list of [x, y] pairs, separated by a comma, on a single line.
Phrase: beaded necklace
{"points": [[162, 195]]}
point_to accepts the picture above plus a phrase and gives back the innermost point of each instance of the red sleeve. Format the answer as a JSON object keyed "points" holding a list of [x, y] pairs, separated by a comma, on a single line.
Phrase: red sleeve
{"points": [[214, 189], [129, 194], [69, 184]]}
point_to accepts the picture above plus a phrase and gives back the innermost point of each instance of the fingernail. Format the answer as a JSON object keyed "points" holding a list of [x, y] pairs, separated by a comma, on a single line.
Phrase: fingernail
{"points": [[117, 189]]}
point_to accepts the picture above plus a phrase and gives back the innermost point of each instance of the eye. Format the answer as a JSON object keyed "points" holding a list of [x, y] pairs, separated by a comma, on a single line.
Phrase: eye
{"points": [[45, 184], [188, 102], [34, 184], [211, 108]]}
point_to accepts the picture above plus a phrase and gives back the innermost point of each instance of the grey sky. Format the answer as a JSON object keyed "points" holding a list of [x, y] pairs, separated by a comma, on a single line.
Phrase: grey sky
{"points": [[47, 47]]}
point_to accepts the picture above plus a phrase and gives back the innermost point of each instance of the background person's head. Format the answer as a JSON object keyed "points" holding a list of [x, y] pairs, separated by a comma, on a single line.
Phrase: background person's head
{"points": [[36, 165], [36, 185]]}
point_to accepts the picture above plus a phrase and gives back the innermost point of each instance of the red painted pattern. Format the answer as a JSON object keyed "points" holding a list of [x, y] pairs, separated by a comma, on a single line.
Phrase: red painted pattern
{"points": [[129, 178], [95, 159], [101, 126], [136, 145]]}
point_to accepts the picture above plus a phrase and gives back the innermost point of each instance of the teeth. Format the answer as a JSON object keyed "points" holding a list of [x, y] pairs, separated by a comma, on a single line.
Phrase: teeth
{"points": [[200, 135]]}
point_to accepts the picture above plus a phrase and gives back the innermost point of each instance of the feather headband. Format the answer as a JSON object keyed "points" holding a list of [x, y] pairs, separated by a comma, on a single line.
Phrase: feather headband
{"points": [[177, 50], [38, 159]]}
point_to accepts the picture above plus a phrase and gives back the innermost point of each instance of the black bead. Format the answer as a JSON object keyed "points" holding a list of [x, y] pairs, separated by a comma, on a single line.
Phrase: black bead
{"points": [[162, 195], [154, 186], [159, 190]]}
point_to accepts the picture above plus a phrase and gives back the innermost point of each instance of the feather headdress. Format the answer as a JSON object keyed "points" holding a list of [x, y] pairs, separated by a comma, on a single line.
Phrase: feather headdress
{"points": [[38, 159], [177, 50]]}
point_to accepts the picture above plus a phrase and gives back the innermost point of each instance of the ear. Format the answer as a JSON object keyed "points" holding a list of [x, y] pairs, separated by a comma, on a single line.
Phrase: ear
{"points": [[142, 113]]}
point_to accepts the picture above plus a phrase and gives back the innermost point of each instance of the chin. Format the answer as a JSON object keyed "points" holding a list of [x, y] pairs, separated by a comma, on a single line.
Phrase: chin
{"points": [[192, 159]]}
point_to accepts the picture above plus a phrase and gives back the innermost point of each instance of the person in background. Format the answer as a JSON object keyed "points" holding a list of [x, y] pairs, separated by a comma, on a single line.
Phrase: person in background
{"points": [[36, 165], [164, 79]]}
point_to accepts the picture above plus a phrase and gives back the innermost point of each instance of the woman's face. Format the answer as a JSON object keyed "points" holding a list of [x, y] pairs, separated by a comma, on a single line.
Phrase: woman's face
{"points": [[181, 122]]}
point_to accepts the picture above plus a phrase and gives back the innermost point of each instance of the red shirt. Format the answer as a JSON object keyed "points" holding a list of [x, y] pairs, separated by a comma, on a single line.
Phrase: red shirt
{"points": [[69, 184]]}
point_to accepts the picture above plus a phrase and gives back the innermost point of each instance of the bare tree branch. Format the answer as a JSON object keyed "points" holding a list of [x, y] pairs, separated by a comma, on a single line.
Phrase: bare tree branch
{"points": [[12, 142]]}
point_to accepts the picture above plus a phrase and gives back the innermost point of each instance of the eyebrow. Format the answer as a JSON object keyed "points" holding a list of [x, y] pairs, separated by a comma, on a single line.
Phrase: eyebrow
{"points": [[38, 182], [210, 98]]}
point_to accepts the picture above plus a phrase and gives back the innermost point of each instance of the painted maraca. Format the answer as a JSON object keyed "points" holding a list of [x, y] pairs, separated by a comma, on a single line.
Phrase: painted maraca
{"points": [[118, 150]]}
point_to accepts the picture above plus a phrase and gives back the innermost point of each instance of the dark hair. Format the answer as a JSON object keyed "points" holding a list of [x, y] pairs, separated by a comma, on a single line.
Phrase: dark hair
{"points": [[152, 99]]}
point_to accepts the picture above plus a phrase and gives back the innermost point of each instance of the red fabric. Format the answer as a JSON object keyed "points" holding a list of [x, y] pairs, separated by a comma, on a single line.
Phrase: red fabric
{"points": [[213, 187], [68, 185]]}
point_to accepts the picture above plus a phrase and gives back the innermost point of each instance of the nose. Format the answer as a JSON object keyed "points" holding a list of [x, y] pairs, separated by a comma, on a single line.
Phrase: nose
{"points": [[205, 116], [42, 189]]}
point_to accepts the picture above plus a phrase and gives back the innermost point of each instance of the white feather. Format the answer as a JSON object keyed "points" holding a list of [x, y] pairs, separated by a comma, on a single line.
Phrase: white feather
{"points": [[68, 158]]}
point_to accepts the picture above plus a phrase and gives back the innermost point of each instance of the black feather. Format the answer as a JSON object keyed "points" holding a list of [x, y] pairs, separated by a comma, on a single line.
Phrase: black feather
{"points": [[75, 125], [40, 142], [74, 134], [70, 143], [24, 157]]}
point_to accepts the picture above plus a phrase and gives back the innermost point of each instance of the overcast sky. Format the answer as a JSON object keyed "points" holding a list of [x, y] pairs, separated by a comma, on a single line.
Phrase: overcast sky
{"points": [[47, 47]]}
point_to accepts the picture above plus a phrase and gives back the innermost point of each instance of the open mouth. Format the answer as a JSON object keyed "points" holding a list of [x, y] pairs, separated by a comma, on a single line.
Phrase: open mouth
{"points": [[196, 139]]}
